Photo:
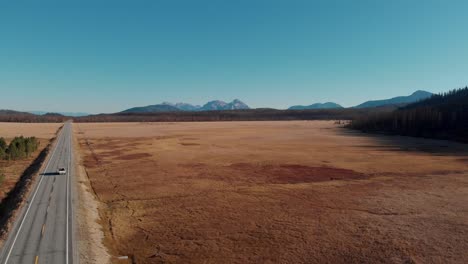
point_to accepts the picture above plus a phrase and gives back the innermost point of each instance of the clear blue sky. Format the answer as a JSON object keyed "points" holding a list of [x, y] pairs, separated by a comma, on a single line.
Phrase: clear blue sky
{"points": [[105, 56]]}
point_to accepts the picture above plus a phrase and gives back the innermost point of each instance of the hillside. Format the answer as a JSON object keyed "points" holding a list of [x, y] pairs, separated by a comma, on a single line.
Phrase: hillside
{"points": [[399, 100], [184, 106], [442, 116], [16, 116], [327, 105], [5, 112], [61, 113], [152, 109]]}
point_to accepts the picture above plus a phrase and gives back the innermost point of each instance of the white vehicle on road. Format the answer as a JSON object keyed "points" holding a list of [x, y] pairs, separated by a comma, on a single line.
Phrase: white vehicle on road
{"points": [[62, 171]]}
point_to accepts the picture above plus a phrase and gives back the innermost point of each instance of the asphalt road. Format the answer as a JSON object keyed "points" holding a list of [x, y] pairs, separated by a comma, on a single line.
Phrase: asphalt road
{"points": [[43, 231]]}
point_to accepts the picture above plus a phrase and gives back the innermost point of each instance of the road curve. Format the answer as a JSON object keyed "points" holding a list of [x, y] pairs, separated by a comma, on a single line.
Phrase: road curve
{"points": [[43, 230]]}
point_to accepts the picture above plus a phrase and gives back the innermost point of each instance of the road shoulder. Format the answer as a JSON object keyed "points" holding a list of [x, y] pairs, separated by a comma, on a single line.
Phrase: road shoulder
{"points": [[90, 234]]}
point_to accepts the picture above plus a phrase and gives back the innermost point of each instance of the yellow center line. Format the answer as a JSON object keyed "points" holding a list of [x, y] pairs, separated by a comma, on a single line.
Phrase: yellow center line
{"points": [[43, 229], [37, 260]]}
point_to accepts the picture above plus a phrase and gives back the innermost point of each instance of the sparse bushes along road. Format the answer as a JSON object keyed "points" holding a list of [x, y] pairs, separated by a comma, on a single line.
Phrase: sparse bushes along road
{"points": [[19, 148]]}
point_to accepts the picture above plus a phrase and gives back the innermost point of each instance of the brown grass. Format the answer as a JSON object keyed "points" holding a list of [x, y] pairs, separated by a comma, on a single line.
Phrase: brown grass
{"points": [[276, 192], [39, 130]]}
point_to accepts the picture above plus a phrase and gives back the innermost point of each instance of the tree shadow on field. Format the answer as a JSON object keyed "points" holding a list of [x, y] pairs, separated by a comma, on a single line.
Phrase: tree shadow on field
{"points": [[49, 174], [388, 142], [15, 196]]}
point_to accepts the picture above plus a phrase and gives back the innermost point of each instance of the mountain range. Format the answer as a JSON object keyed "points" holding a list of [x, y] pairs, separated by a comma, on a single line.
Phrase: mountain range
{"points": [[395, 101], [216, 105], [236, 104]]}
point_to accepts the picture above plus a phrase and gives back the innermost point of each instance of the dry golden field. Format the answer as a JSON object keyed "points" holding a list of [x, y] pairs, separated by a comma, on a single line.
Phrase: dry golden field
{"points": [[13, 169], [276, 192], [39, 130]]}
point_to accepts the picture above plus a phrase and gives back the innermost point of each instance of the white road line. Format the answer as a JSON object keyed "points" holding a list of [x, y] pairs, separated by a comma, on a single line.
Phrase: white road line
{"points": [[32, 199], [68, 177], [74, 258]]}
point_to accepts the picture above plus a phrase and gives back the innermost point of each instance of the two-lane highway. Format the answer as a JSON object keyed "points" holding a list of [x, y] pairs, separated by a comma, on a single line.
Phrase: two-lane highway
{"points": [[43, 231]]}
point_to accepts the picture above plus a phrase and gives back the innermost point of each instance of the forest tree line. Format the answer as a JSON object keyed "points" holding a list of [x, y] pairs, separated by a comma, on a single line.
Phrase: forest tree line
{"points": [[15, 116], [19, 148], [233, 115], [443, 116]]}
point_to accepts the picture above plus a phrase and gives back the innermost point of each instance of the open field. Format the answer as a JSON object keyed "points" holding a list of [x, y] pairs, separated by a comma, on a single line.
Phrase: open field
{"points": [[276, 192], [39, 130], [13, 169]]}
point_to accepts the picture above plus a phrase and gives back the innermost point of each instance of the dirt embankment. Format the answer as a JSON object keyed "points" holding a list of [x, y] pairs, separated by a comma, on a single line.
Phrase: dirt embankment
{"points": [[90, 233], [17, 195]]}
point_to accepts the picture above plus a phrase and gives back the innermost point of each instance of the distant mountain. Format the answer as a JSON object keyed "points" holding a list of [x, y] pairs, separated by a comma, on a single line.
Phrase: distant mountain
{"points": [[17, 116], [414, 97], [221, 105], [52, 114], [12, 112], [327, 105], [215, 105], [184, 106], [236, 105], [152, 109], [61, 113]]}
